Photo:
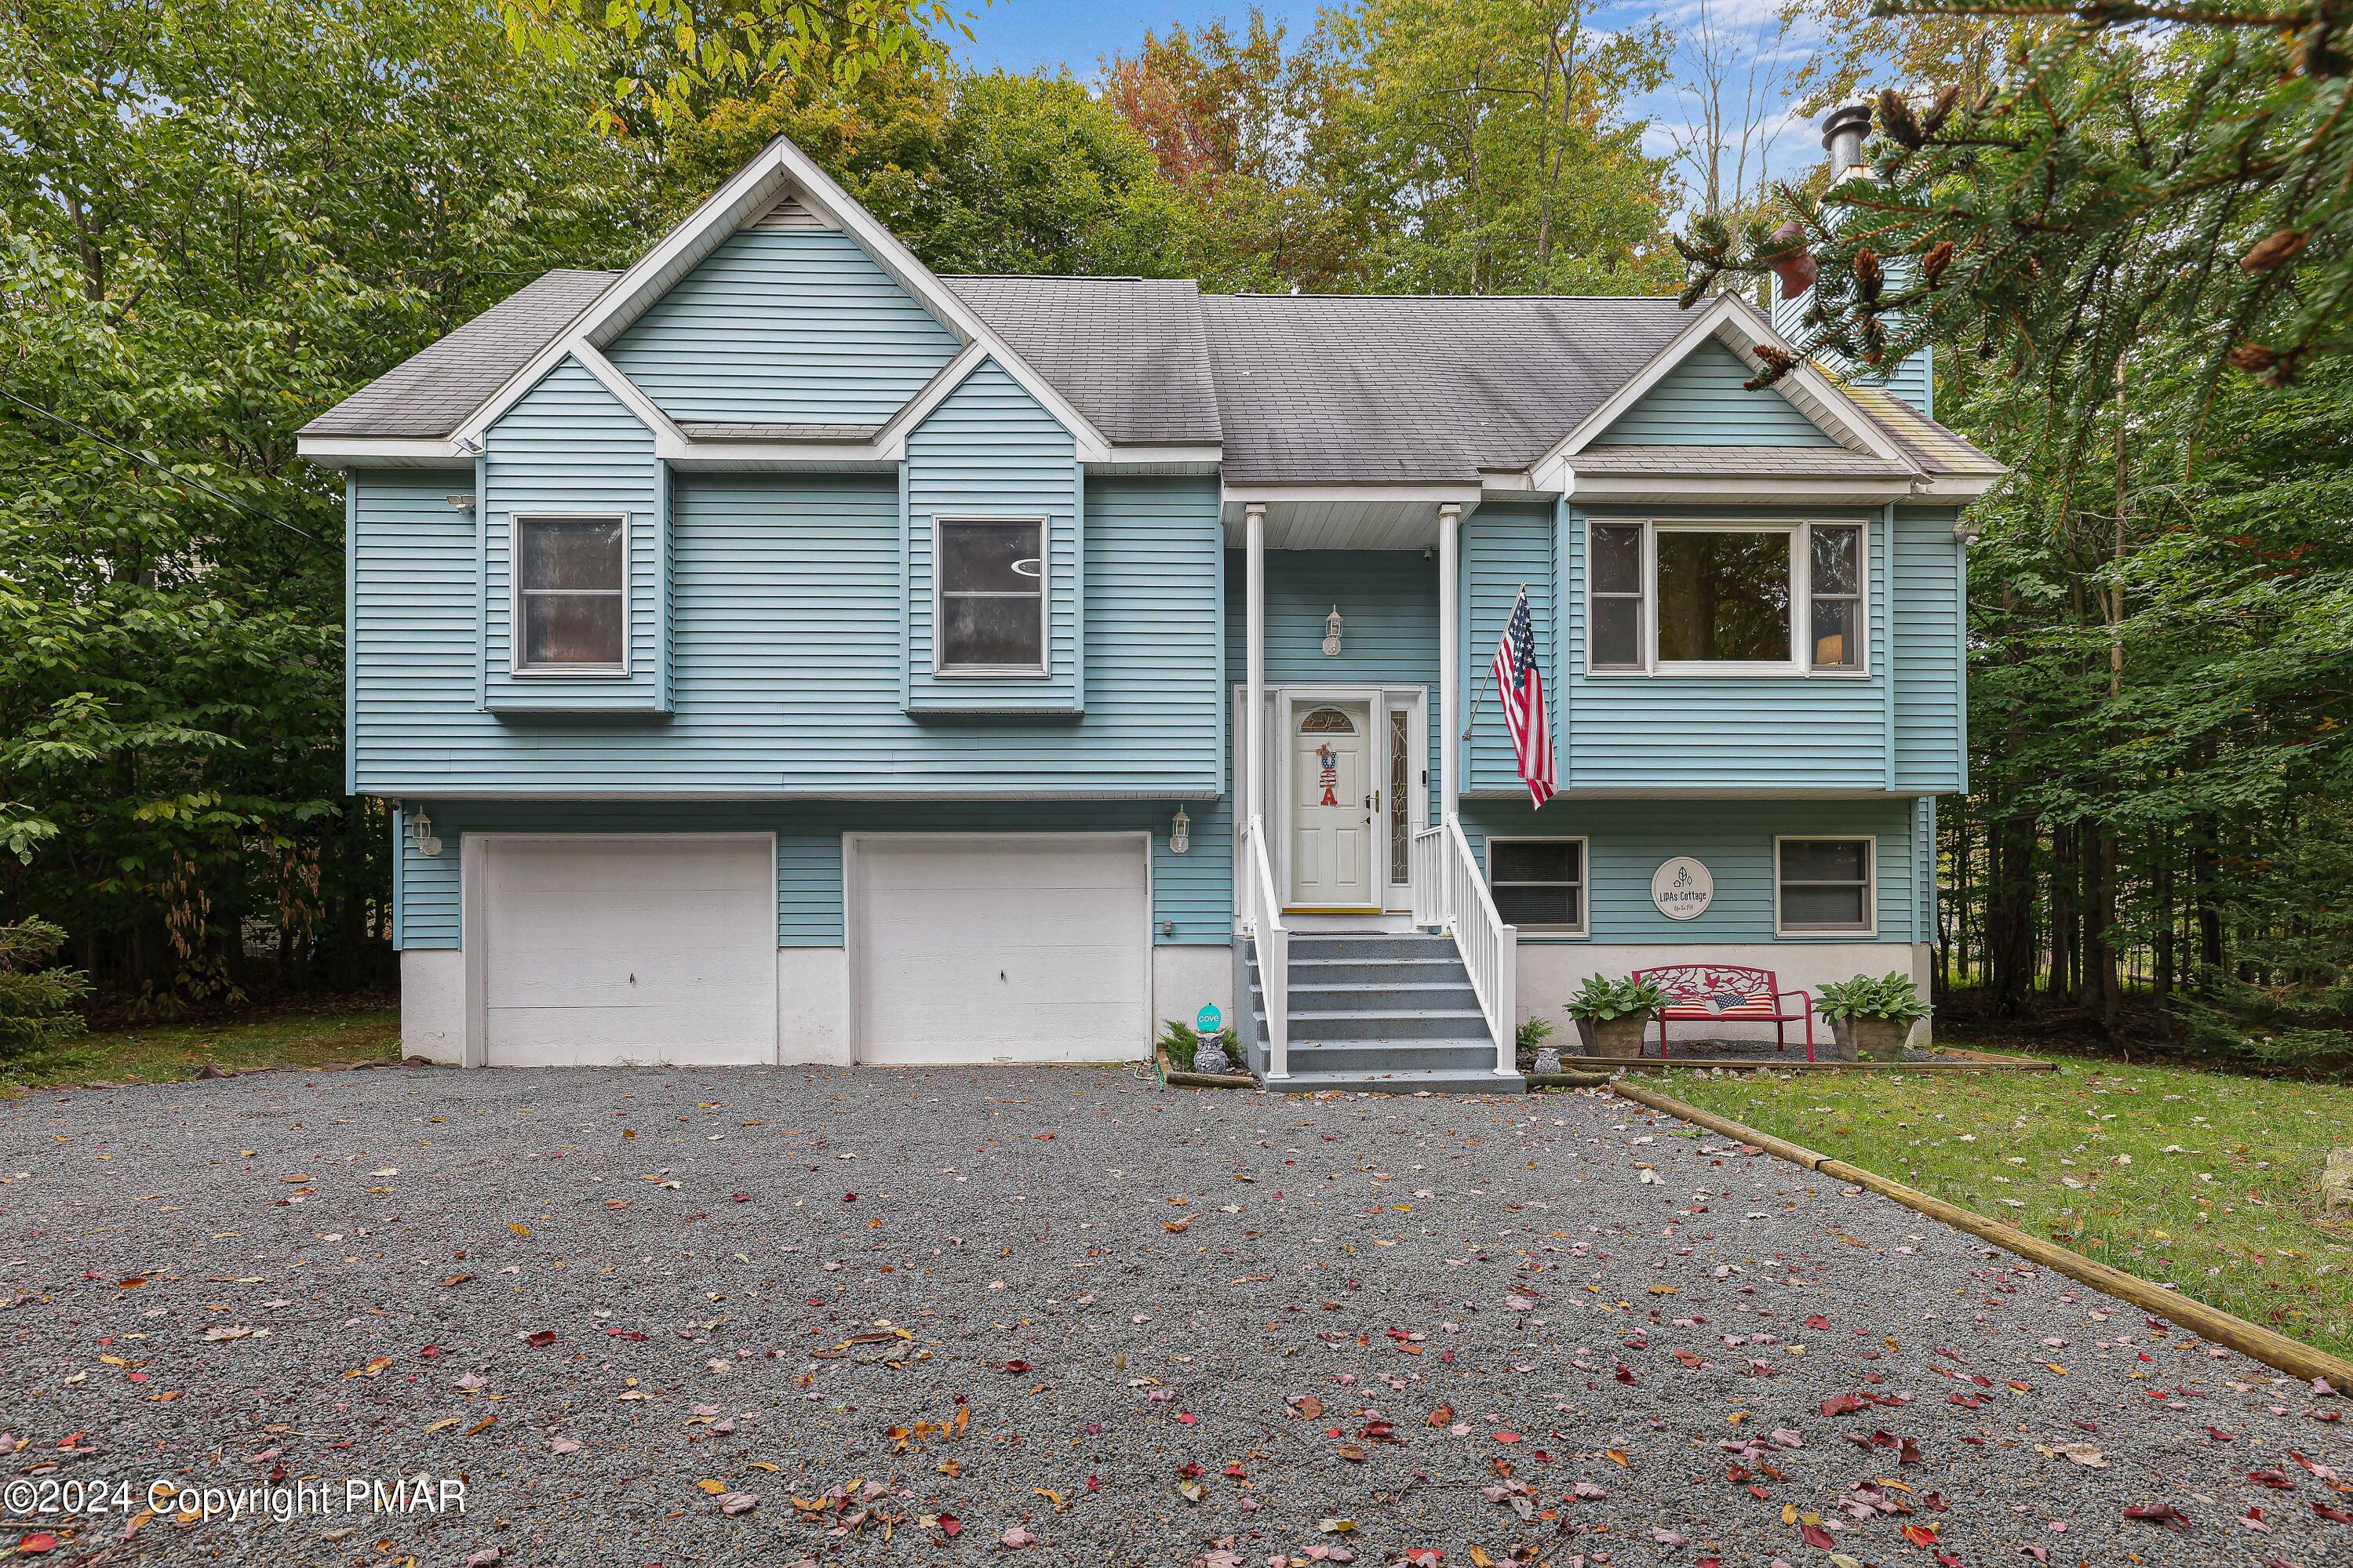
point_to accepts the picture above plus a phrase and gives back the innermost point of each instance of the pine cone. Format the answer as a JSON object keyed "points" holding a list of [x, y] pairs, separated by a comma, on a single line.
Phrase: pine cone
{"points": [[1868, 276], [1895, 117], [2273, 251], [1933, 265], [1941, 109]]}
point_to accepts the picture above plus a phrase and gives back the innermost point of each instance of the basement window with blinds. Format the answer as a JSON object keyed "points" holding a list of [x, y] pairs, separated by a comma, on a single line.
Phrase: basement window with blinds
{"points": [[1538, 884]]}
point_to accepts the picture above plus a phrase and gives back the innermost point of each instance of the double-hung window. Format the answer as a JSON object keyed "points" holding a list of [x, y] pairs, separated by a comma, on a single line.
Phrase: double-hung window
{"points": [[1725, 598], [992, 596], [572, 595], [1823, 885], [1538, 884]]}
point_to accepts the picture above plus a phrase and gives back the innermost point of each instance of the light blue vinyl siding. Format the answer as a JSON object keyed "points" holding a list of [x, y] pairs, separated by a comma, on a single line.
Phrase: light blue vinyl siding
{"points": [[1912, 378], [1700, 402], [992, 450], [1505, 546], [1930, 750], [1191, 889], [789, 327], [1733, 839], [570, 447], [1752, 733], [789, 665], [1388, 600]]}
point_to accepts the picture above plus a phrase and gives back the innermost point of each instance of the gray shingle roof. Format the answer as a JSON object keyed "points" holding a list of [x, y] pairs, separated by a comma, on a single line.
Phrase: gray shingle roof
{"points": [[1328, 389], [1129, 352], [1301, 389], [430, 393]]}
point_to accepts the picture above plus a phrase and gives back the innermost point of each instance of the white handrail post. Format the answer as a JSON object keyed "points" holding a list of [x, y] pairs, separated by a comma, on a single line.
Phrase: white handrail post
{"points": [[1254, 769], [1272, 945], [1507, 987]]}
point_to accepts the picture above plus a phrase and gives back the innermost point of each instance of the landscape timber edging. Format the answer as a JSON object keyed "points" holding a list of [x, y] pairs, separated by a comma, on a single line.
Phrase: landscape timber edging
{"points": [[2210, 1323], [1772, 1063]]}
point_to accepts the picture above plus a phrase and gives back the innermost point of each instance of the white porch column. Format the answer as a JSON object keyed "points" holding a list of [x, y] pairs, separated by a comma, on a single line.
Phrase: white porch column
{"points": [[1254, 700], [1450, 643]]}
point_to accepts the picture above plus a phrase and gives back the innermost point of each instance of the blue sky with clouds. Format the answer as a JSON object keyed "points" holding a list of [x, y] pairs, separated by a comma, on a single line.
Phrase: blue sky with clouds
{"points": [[1024, 35]]}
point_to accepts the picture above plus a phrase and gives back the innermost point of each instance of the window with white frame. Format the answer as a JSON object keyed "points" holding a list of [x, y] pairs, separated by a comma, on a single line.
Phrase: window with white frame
{"points": [[1823, 885], [1729, 597], [992, 596], [1538, 884], [571, 594]]}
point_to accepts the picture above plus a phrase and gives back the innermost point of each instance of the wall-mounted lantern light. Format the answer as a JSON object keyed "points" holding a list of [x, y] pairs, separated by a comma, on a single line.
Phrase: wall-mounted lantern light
{"points": [[1332, 634], [420, 825], [1180, 831]]}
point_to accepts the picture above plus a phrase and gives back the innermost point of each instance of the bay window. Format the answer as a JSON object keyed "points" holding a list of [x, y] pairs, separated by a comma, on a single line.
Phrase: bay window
{"points": [[571, 594], [992, 596], [1706, 597]]}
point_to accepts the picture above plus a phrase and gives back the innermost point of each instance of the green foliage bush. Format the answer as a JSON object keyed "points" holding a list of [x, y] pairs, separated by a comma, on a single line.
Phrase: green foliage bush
{"points": [[36, 1001], [1532, 1034], [1891, 996], [1183, 1042], [1604, 1001]]}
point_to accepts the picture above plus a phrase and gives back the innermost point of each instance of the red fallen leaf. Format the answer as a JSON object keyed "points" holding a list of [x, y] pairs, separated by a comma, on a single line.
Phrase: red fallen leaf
{"points": [[1309, 1407], [1815, 1536], [1936, 1502], [1818, 1322], [1507, 1436], [1970, 1400], [2221, 1437], [2039, 1554], [429, 1351], [2279, 1480], [1688, 1358], [1189, 1470], [1624, 1375], [950, 1525], [1907, 1452], [2163, 1513], [1920, 1534], [1440, 1416], [541, 1340], [1844, 1404], [850, 1198], [35, 1545], [1234, 1472], [1094, 1483], [746, 1198], [1188, 1417], [1016, 1366], [2333, 1514]]}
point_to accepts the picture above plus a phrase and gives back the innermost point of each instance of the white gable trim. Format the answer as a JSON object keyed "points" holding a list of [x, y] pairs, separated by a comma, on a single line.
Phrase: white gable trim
{"points": [[1732, 321], [778, 168]]}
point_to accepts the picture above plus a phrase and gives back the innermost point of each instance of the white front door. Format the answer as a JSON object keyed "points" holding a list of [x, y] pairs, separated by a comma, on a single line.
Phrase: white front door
{"points": [[1332, 796]]}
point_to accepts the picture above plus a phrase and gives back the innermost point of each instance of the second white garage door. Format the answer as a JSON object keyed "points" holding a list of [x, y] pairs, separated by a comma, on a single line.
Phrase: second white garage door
{"points": [[1017, 948], [611, 948]]}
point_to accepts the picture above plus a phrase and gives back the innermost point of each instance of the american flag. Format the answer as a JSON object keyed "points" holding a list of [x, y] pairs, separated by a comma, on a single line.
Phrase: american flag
{"points": [[1521, 685]]}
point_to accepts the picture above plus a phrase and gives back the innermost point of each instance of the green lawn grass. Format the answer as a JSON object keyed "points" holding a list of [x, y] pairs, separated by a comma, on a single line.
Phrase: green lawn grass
{"points": [[2205, 1181], [159, 1053]]}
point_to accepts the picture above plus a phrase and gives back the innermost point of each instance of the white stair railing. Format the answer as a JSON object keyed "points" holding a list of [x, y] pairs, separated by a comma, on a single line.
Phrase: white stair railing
{"points": [[1449, 891], [1262, 917]]}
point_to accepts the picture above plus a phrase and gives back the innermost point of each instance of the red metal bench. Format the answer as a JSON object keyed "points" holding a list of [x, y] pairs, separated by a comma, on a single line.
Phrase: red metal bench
{"points": [[1727, 992]]}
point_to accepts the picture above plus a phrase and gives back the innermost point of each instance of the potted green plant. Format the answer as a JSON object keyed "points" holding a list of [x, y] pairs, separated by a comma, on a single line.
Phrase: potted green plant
{"points": [[1612, 1014], [1871, 1017]]}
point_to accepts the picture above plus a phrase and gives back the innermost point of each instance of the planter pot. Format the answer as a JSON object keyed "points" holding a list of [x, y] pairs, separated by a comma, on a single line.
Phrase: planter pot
{"points": [[1871, 1039], [1618, 1039]]}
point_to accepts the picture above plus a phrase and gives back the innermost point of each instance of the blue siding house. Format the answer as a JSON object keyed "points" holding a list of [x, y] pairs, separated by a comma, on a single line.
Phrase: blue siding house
{"points": [[778, 653]]}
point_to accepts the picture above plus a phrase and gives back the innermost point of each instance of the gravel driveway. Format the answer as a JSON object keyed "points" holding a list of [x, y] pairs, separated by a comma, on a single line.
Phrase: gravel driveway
{"points": [[920, 1314]]}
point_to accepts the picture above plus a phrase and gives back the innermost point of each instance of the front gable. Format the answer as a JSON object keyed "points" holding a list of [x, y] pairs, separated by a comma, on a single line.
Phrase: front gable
{"points": [[1700, 402], [786, 325]]}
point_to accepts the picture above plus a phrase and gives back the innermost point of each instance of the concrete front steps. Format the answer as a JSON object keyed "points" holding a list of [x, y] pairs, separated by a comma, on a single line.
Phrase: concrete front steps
{"points": [[1389, 1013]]}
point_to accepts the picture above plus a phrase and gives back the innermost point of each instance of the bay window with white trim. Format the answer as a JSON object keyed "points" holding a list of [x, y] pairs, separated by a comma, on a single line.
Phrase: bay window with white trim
{"points": [[991, 596], [570, 596], [1702, 597]]}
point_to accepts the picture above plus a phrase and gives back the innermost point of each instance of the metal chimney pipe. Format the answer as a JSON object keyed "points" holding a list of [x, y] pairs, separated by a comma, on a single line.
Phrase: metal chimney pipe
{"points": [[1843, 129]]}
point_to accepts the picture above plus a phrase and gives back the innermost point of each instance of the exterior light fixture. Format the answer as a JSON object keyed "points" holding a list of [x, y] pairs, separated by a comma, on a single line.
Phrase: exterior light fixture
{"points": [[420, 824], [1180, 831], [1332, 634]]}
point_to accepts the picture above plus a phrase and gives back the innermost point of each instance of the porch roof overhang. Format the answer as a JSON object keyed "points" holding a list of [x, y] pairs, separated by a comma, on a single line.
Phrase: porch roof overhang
{"points": [[1348, 517]]}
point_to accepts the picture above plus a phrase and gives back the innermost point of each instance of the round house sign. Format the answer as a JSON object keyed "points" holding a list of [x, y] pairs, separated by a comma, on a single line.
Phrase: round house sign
{"points": [[1683, 888]]}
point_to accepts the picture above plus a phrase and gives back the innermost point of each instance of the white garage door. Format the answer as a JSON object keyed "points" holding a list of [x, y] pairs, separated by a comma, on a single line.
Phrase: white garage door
{"points": [[1006, 949], [607, 949]]}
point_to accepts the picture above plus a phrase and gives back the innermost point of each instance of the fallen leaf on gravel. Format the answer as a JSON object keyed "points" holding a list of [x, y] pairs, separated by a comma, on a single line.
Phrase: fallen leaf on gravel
{"points": [[2163, 1513], [1351, 1452], [1017, 1538], [1306, 1404], [1815, 1536], [454, 1280], [519, 1230], [2278, 1480], [563, 1446], [539, 1339], [1588, 1491], [1175, 1225], [2084, 1453], [445, 1422], [34, 1546], [1652, 1178], [1667, 1537], [713, 1487], [1192, 1491], [733, 1503], [2333, 1514], [229, 1331], [1336, 1526], [485, 1557], [2221, 1437]]}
